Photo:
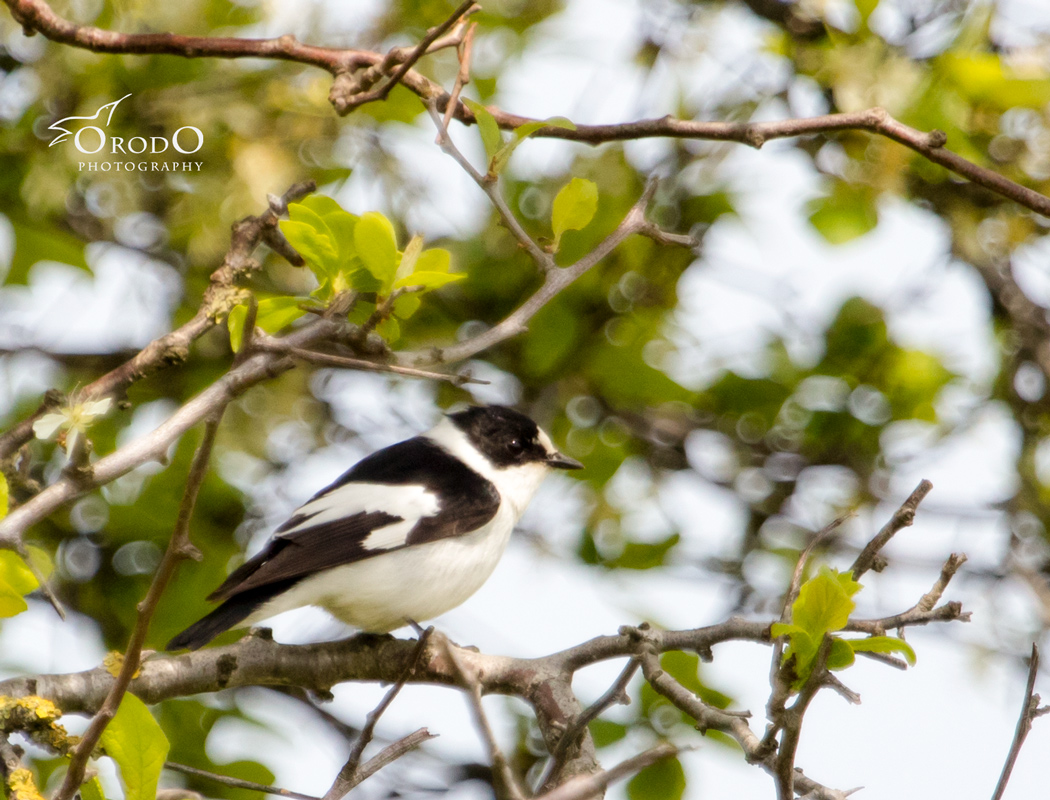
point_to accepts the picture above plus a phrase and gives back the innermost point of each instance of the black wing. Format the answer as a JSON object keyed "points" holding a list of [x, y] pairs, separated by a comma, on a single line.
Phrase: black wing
{"points": [[466, 501]]}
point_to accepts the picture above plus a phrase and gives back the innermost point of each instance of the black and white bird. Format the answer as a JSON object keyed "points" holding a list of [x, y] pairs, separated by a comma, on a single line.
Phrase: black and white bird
{"points": [[406, 534]]}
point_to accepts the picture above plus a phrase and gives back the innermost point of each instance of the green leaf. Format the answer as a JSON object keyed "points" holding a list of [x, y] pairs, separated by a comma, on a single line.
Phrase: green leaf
{"points": [[605, 732], [92, 790], [377, 246], [644, 555], [409, 258], [277, 312], [389, 329], [823, 604], [11, 602], [487, 126], [574, 207], [3, 496], [235, 322], [320, 204], [560, 122], [436, 259], [407, 305], [884, 644], [848, 212], [429, 280], [664, 780], [136, 742], [314, 245], [15, 574], [841, 654]]}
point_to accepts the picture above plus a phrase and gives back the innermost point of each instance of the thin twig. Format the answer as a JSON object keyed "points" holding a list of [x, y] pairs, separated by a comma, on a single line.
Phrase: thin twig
{"points": [[490, 186], [615, 694], [349, 776], [1030, 709], [350, 93], [329, 360], [236, 783], [392, 752], [172, 348], [784, 765], [36, 15], [780, 688], [587, 786], [465, 49], [904, 516], [500, 765], [179, 548]]}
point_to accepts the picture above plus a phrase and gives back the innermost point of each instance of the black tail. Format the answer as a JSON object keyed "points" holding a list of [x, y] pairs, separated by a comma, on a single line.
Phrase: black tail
{"points": [[226, 616]]}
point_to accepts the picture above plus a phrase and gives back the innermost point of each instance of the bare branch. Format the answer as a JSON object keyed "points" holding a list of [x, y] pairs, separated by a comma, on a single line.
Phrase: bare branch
{"points": [[905, 515], [328, 360], [490, 186], [172, 348], [348, 95], [587, 786], [500, 765], [179, 549], [349, 776], [1030, 709], [153, 446], [923, 612], [462, 76], [236, 783], [617, 693], [557, 279], [36, 15]]}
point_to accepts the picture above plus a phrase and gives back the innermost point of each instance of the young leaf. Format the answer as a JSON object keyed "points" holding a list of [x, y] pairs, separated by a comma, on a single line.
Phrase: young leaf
{"points": [[841, 654], [92, 790], [434, 260], [277, 312], [409, 258], [884, 644], [824, 603], [11, 602], [235, 322], [320, 204], [521, 133], [313, 245], [574, 207], [429, 280], [16, 574], [377, 246], [487, 126], [3, 496], [135, 741], [406, 305]]}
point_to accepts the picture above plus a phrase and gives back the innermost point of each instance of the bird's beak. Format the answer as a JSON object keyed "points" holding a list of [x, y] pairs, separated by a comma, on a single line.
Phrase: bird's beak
{"points": [[558, 461]]}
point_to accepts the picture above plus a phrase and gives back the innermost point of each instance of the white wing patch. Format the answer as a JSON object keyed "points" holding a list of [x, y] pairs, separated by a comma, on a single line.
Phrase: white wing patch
{"points": [[410, 502], [389, 536]]}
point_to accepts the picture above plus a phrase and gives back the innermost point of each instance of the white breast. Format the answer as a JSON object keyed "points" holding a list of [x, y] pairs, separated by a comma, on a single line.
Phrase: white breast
{"points": [[418, 583]]}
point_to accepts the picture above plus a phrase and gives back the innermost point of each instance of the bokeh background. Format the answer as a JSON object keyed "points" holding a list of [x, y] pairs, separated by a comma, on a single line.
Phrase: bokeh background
{"points": [[856, 319]]}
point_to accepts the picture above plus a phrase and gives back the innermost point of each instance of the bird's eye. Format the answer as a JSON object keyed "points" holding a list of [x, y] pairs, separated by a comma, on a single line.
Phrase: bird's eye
{"points": [[515, 446]]}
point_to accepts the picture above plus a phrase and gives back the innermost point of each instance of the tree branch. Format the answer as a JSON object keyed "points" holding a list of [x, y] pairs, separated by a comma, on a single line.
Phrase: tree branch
{"points": [[869, 557], [173, 348], [1030, 709], [36, 15], [349, 776], [179, 549]]}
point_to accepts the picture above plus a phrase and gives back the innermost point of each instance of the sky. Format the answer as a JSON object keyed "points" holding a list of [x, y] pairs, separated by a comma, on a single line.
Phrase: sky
{"points": [[942, 728]]}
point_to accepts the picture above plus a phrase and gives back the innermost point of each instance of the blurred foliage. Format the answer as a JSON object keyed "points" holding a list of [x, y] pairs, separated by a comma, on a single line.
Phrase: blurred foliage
{"points": [[598, 363]]}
